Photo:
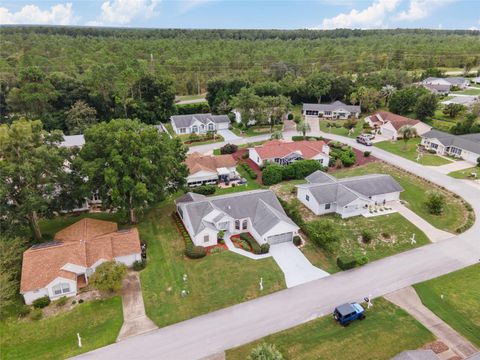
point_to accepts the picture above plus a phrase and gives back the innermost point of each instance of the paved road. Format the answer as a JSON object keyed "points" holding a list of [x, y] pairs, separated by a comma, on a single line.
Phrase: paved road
{"points": [[248, 321]]}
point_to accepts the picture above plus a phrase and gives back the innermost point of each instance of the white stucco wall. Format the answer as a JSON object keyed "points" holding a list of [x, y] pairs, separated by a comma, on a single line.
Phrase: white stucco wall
{"points": [[253, 155], [198, 240], [129, 259], [355, 208], [387, 197], [31, 296]]}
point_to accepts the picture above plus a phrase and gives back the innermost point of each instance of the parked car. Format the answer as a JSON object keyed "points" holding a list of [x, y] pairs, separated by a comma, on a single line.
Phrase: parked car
{"points": [[369, 136], [362, 139], [346, 313]]}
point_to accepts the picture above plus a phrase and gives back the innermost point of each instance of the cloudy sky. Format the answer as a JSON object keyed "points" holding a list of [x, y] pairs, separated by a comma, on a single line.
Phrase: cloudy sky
{"points": [[259, 14]]}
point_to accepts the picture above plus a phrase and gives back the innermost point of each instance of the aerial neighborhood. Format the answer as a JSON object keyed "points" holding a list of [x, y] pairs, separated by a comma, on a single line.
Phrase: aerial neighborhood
{"points": [[219, 194]]}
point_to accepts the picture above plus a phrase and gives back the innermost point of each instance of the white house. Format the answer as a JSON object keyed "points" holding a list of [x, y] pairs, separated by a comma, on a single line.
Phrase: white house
{"points": [[258, 212], [60, 268], [284, 152], [204, 169], [466, 147], [347, 197], [335, 110], [199, 123], [458, 82], [388, 124]]}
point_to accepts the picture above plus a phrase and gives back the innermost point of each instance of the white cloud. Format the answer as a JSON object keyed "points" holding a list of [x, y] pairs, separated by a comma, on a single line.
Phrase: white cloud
{"points": [[59, 14], [419, 9], [122, 12], [188, 5], [373, 16]]}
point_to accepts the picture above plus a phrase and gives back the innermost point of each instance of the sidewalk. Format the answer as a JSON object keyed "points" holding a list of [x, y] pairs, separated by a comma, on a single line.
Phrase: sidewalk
{"points": [[408, 300]]}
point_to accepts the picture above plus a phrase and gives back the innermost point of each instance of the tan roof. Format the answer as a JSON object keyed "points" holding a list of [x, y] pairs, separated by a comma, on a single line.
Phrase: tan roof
{"points": [[197, 162], [397, 121], [278, 149], [43, 263]]}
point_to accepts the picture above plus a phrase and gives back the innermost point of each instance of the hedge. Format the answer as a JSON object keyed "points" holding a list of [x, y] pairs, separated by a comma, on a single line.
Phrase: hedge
{"points": [[252, 242], [250, 172], [195, 252], [41, 302], [346, 262], [197, 108], [273, 173], [204, 189], [228, 149]]}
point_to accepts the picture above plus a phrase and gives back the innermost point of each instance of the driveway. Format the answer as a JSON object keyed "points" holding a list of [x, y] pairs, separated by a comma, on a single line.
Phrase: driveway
{"points": [[453, 166], [295, 266], [228, 135], [314, 123]]}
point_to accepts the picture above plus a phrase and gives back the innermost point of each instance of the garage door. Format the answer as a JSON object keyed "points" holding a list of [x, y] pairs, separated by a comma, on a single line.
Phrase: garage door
{"points": [[280, 238]]}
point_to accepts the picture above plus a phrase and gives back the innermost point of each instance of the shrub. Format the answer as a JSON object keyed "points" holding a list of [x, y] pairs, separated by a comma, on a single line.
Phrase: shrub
{"points": [[310, 138], [252, 174], [81, 301], [293, 212], [36, 314], [303, 168], [245, 156], [265, 352], [62, 301], [290, 116], [205, 189], [196, 108], [346, 262], [23, 310], [297, 241], [367, 236], [265, 248], [139, 265], [228, 149], [367, 153], [272, 175], [217, 250], [435, 202], [195, 252], [108, 276], [74, 302], [256, 249], [41, 302], [322, 233], [348, 158], [220, 235], [362, 260]]}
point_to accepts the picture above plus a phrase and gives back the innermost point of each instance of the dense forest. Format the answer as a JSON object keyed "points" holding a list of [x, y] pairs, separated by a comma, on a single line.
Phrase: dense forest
{"points": [[61, 73]]}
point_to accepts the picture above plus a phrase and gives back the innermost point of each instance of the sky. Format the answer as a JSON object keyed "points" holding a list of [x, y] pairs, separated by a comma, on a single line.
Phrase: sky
{"points": [[246, 14]]}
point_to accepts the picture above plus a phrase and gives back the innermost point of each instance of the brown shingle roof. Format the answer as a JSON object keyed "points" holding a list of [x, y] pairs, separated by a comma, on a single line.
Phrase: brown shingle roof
{"points": [[197, 162], [43, 263], [278, 149], [397, 121]]}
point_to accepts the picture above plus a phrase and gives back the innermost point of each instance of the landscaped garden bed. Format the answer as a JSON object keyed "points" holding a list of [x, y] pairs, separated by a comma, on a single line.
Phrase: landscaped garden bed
{"points": [[245, 241]]}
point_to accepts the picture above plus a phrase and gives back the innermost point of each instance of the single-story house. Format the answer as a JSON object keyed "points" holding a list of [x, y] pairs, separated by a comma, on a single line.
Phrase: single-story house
{"points": [[61, 267], [458, 82], [388, 124], [258, 212], [204, 169], [70, 141], [335, 110], [465, 100], [466, 147], [475, 80], [438, 89], [199, 123], [347, 197], [284, 152]]}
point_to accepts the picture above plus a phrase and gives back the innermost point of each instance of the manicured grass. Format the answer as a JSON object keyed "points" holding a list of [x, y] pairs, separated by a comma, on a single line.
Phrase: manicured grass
{"points": [[256, 130], [410, 152], [461, 299], [415, 195], [340, 130], [98, 323], [466, 173], [468, 92], [214, 282], [386, 331], [251, 184], [190, 97]]}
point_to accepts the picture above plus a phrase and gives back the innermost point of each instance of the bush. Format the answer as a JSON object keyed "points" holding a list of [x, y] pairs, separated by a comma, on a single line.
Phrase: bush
{"points": [[195, 252], [74, 302], [256, 249], [367, 236], [228, 149], [273, 174], [36, 314], [362, 260], [348, 158], [265, 248], [23, 310], [252, 174], [346, 262], [108, 276], [435, 202], [81, 301], [205, 189], [245, 156], [297, 241], [292, 211], [310, 138], [62, 301], [139, 265], [367, 153], [265, 352], [322, 233], [41, 302], [290, 116]]}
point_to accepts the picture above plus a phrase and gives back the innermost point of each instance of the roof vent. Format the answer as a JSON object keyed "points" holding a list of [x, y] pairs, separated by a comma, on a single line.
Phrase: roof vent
{"points": [[229, 207]]}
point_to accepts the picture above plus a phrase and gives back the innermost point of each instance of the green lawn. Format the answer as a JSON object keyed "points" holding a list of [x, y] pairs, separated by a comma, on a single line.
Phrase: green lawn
{"points": [[251, 184], [190, 97], [455, 214], [214, 282], [340, 130], [255, 130], [465, 173], [468, 92], [98, 323], [386, 331], [461, 299], [410, 152]]}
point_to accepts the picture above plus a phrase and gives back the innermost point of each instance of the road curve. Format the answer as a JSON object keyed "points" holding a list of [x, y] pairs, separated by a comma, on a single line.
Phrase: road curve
{"points": [[251, 320]]}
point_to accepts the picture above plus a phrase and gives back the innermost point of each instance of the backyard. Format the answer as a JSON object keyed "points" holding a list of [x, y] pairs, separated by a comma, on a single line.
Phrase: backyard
{"points": [[386, 331], [410, 152], [455, 298]]}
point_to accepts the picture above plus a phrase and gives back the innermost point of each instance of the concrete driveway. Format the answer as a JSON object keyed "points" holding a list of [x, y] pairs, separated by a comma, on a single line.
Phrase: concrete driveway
{"points": [[228, 135], [453, 166], [295, 266]]}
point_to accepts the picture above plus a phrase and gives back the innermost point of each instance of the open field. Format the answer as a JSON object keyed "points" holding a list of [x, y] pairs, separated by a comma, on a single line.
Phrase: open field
{"points": [[460, 304], [386, 331]]}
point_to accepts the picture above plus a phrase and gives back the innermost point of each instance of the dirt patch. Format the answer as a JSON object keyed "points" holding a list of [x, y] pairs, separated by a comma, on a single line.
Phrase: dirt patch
{"points": [[72, 302], [437, 347]]}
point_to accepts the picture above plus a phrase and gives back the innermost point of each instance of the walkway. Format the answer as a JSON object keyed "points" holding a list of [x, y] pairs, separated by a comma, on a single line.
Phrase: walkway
{"points": [[135, 321], [453, 166], [432, 232], [295, 266], [228, 135], [408, 299]]}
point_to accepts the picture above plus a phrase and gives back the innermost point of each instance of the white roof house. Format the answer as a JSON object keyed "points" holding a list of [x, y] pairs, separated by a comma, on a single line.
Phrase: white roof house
{"points": [[466, 147], [334, 110], [199, 123]]}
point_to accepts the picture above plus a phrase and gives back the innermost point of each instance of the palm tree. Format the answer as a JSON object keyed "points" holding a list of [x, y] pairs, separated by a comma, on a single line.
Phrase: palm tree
{"points": [[303, 127], [386, 92], [407, 132]]}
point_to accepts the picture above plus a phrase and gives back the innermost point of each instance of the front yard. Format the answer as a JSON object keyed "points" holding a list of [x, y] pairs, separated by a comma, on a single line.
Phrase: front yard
{"points": [[338, 129], [214, 282], [255, 130], [410, 152], [386, 331], [466, 173], [459, 306]]}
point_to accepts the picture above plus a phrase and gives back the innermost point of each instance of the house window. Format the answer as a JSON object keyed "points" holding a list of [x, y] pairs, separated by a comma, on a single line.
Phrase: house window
{"points": [[237, 224], [244, 225], [60, 289], [327, 206], [307, 197], [183, 130], [194, 129], [206, 238], [210, 127], [328, 113]]}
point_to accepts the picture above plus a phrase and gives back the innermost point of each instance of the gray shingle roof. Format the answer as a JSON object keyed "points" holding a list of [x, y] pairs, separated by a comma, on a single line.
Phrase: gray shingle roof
{"points": [[469, 142], [182, 121], [320, 177], [189, 197], [337, 105]]}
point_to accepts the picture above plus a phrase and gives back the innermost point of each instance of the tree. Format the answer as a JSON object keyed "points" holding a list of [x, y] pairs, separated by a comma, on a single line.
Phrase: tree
{"points": [[453, 110], [250, 105], [277, 135], [319, 84], [31, 170], [277, 107], [11, 250], [369, 99], [435, 202], [403, 101], [131, 164], [386, 93], [265, 352], [108, 276], [406, 132], [425, 106], [341, 88], [323, 233], [303, 127], [79, 117]]}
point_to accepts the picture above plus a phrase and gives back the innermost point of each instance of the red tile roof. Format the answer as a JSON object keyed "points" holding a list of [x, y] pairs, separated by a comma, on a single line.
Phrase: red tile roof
{"points": [[278, 149]]}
